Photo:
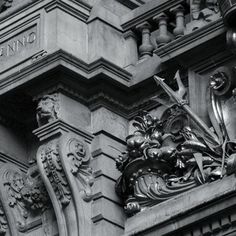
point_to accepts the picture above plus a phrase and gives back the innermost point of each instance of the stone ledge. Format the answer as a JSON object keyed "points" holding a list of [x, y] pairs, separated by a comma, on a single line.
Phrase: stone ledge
{"points": [[184, 209]]}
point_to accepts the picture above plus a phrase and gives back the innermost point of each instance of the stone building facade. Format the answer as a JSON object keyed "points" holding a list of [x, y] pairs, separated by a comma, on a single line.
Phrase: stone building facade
{"points": [[117, 117]]}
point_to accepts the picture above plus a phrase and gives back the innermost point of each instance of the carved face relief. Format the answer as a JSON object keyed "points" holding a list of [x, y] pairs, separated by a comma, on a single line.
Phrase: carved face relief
{"points": [[218, 81], [47, 110], [79, 149], [17, 182]]}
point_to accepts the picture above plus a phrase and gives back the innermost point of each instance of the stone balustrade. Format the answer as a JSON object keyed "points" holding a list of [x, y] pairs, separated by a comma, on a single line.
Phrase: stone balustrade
{"points": [[168, 21]]}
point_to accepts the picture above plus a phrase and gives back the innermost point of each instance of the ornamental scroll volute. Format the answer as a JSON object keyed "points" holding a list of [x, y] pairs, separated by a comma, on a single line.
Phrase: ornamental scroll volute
{"points": [[64, 166]]}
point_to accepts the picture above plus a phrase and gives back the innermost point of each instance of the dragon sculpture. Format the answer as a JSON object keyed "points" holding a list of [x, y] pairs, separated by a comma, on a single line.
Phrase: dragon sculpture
{"points": [[168, 156]]}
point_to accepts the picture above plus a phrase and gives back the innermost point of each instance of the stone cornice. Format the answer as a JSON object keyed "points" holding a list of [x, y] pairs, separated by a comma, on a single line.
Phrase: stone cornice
{"points": [[199, 201], [216, 61], [78, 9], [102, 99], [146, 12], [131, 3], [59, 126], [10, 159], [61, 58]]}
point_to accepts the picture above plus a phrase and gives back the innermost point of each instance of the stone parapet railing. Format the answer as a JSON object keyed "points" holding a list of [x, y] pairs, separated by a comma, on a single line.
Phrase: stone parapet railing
{"points": [[159, 23]]}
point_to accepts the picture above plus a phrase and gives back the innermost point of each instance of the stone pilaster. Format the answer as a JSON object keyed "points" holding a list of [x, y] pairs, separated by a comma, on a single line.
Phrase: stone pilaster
{"points": [[64, 161]]}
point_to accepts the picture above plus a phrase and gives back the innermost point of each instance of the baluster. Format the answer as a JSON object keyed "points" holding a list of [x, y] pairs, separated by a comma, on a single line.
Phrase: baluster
{"points": [[179, 16], [163, 37], [146, 47]]}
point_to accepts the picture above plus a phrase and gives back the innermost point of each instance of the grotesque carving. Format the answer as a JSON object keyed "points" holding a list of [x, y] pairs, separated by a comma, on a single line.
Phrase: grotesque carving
{"points": [[5, 4], [166, 156], [24, 194], [203, 12], [47, 109], [34, 192]]}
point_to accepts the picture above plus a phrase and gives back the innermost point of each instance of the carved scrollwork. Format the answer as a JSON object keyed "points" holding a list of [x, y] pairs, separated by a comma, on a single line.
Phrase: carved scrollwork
{"points": [[49, 154], [166, 156], [64, 166], [78, 156]]}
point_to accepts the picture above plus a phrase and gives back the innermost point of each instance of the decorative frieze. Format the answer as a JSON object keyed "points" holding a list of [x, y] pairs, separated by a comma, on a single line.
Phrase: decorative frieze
{"points": [[167, 156]]}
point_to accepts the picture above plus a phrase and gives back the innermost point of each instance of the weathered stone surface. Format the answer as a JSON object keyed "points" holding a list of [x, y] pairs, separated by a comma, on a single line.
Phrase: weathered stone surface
{"points": [[87, 53]]}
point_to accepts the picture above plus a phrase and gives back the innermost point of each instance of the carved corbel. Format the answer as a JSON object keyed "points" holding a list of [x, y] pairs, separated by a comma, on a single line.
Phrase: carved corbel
{"points": [[24, 198], [64, 166]]}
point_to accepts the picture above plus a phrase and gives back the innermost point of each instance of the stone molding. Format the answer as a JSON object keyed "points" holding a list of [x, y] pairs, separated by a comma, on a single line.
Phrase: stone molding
{"points": [[202, 202], [146, 12], [62, 59], [78, 9], [58, 127]]}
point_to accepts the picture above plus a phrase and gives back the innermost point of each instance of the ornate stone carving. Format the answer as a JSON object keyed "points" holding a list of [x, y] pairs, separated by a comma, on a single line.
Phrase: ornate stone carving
{"points": [[166, 156], [3, 221], [34, 192], [49, 155], [23, 196], [78, 156], [47, 109], [5, 4], [202, 12], [64, 165]]}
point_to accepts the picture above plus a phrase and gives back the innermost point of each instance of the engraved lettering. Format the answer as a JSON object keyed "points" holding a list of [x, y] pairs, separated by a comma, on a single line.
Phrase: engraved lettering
{"points": [[1, 51], [31, 38], [11, 48], [17, 44], [20, 43]]}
